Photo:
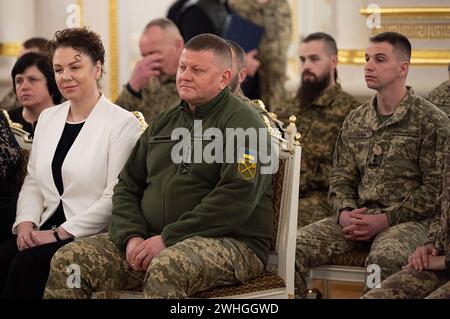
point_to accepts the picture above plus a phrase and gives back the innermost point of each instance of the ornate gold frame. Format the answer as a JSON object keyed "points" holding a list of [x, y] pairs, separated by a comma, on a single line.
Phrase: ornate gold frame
{"points": [[433, 57], [419, 57], [113, 50], [411, 12], [81, 5], [10, 48]]}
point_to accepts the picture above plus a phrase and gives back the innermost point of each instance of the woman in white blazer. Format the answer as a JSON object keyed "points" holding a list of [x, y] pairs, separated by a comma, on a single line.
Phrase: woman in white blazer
{"points": [[78, 151]]}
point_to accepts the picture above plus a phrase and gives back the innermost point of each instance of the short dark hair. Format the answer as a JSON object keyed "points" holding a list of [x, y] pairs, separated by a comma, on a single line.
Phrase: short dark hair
{"points": [[163, 23], [37, 42], [239, 52], [44, 66], [211, 42], [400, 43], [328, 40], [80, 39]]}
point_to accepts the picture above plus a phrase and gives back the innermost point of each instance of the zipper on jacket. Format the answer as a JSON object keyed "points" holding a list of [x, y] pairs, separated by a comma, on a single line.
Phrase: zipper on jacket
{"points": [[172, 176]]}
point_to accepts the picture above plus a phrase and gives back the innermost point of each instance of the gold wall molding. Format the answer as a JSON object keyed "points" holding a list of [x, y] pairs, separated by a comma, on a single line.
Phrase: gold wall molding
{"points": [[113, 50], [410, 12], [10, 49], [417, 31], [419, 57], [81, 5]]}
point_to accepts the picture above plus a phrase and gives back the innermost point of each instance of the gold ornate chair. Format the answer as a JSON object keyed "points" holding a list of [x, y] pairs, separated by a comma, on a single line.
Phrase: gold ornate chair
{"points": [[22, 137], [24, 141], [141, 120], [278, 279]]}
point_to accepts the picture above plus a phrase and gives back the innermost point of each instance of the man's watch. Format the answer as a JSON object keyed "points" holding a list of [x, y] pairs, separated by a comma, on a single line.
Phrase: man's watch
{"points": [[137, 94], [55, 233]]}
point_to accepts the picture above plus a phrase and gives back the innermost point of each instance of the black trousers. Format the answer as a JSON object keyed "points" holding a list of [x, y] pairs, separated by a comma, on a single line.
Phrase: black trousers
{"points": [[23, 274]]}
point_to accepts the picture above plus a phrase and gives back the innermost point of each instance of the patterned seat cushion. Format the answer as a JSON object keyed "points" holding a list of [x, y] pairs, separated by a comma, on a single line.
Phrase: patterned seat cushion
{"points": [[265, 281], [354, 258]]}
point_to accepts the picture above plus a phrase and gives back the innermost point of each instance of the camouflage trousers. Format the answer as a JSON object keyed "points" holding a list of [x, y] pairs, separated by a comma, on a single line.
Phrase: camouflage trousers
{"points": [[319, 242], [190, 266], [413, 284], [313, 207]]}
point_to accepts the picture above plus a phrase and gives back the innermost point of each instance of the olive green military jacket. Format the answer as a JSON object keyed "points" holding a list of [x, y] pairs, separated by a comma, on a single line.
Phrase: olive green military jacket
{"points": [[392, 167], [155, 98], [439, 231], [319, 126], [154, 195], [440, 96]]}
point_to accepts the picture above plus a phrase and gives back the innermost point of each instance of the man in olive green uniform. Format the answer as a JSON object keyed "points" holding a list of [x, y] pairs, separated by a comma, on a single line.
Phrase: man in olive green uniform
{"points": [[275, 17], [440, 96], [427, 274], [320, 106], [151, 88], [386, 170], [238, 75], [181, 227]]}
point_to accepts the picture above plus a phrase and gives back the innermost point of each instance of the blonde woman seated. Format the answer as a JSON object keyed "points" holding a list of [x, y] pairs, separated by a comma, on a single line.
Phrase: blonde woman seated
{"points": [[79, 148]]}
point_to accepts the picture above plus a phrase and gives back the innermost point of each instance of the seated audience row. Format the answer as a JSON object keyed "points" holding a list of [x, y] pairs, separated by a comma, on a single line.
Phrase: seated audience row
{"points": [[78, 150]]}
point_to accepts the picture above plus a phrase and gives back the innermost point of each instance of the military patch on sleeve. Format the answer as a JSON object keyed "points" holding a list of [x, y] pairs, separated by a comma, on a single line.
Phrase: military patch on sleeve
{"points": [[246, 167]]}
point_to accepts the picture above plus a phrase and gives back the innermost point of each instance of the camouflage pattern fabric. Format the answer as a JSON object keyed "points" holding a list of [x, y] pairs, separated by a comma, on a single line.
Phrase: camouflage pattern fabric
{"points": [[266, 117], [413, 284], [440, 96], [439, 231], [319, 242], [410, 283], [312, 207], [319, 126], [181, 270], [392, 168], [9, 101], [275, 18], [157, 96]]}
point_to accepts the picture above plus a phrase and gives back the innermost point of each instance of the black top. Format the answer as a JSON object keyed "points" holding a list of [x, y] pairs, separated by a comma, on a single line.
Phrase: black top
{"points": [[194, 17], [68, 137], [16, 116]]}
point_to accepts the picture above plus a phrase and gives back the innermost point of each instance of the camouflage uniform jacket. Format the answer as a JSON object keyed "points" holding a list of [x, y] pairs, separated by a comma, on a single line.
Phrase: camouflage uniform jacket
{"points": [[155, 195], [275, 18], [319, 126], [439, 231], [157, 97], [440, 96], [275, 127], [392, 167], [9, 101]]}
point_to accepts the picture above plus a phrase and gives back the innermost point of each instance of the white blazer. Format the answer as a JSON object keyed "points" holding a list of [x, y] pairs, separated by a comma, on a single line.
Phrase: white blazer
{"points": [[89, 172]]}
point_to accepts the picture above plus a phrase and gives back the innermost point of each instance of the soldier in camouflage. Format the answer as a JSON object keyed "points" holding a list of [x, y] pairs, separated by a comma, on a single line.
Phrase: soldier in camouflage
{"points": [[320, 106], [9, 101], [275, 17], [178, 229], [238, 75], [151, 88], [427, 274], [387, 165], [440, 96]]}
